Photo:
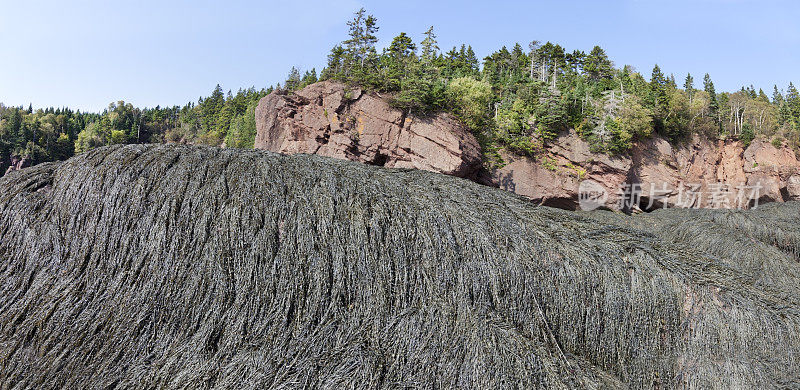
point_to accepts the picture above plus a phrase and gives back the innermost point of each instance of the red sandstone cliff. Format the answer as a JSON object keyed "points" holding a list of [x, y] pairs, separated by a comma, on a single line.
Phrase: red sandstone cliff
{"points": [[328, 119]]}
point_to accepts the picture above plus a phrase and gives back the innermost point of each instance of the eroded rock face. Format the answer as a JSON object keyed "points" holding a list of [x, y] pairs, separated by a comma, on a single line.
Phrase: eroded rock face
{"points": [[725, 174], [554, 179], [18, 163], [331, 120], [698, 174]]}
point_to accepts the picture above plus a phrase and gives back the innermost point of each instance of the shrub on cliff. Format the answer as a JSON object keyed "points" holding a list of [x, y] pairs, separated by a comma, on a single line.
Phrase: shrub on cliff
{"points": [[470, 99]]}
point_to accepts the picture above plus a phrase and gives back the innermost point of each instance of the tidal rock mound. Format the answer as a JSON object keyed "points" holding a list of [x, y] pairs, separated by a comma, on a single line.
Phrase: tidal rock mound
{"points": [[186, 267], [330, 119]]}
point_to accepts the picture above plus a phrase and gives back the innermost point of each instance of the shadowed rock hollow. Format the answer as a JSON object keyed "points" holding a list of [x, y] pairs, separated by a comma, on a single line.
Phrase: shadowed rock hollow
{"points": [[185, 267]]}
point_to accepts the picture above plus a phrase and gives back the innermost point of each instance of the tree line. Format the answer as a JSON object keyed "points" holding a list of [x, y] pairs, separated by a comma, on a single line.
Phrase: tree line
{"points": [[522, 98], [58, 133]]}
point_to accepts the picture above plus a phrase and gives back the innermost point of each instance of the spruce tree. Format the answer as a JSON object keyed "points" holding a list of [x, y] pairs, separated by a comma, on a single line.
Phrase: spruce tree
{"points": [[658, 87], [793, 101], [688, 85], [397, 60], [777, 97], [713, 104], [597, 65], [429, 46]]}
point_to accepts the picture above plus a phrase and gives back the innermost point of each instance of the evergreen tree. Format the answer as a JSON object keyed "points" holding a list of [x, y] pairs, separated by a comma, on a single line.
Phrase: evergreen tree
{"points": [[688, 86], [777, 97], [713, 104], [597, 65], [310, 77], [793, 101], [397, 59], [292, 82], [336, 64], [429, 47], [362, 36], [658, 86]]}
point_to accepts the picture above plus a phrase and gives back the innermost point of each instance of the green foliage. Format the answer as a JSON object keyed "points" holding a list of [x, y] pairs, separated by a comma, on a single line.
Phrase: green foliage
{"points": [[747, 135], [520, 100], [597, 66], [242, 133], [423, 91], [523, 145], [549, 164], [56, 134], [469, 99]]}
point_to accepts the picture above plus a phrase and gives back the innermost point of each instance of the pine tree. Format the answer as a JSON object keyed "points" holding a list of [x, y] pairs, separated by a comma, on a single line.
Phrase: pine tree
{"points": [[397, 59], [336, 65], [423, 91], [310, 77], [362, 36], [658, 86], [793, 101], [471, 61], [763, 96], [777, 97], [293, 80], [671, 84], [359, 59]]}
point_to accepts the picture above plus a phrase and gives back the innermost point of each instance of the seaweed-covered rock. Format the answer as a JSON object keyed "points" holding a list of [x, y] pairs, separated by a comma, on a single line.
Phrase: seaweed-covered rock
{"points": [[186, 267]]}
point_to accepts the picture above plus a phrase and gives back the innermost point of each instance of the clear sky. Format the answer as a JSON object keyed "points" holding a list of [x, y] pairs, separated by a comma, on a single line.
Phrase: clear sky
{"points": [[85, 54]]}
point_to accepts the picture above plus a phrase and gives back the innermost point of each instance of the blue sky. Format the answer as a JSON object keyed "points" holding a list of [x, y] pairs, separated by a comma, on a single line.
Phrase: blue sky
{"points": [[85, 54]]}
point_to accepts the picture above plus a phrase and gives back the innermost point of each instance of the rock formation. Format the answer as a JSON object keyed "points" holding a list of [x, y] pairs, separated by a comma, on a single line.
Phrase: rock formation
{"points": [[18, 163], [330, 120], [185, 267], [696, 174]]}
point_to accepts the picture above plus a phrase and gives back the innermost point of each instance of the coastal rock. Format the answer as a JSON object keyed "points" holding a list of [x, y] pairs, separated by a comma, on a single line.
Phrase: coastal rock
{"points": [[18, 163], [144, 266], [331, 120]]}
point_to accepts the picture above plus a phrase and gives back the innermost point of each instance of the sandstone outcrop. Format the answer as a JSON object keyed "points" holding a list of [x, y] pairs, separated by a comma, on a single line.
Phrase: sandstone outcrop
{"points": [[656, 174], [554, 179], [331, 120], [18, 163]]}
